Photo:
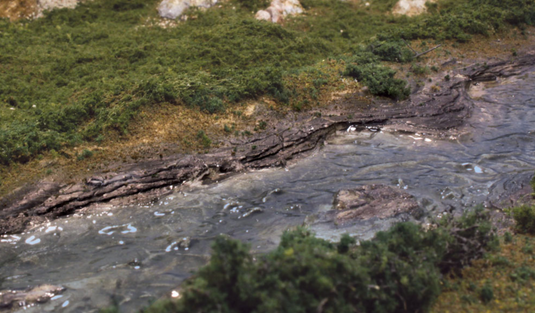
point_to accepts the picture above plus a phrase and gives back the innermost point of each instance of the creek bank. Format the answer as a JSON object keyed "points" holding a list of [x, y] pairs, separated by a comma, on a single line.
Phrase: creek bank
{"points": [[436, 112]]}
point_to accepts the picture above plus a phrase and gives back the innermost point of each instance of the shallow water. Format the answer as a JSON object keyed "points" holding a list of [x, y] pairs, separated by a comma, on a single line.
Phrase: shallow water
{"points": [[135, 254]]}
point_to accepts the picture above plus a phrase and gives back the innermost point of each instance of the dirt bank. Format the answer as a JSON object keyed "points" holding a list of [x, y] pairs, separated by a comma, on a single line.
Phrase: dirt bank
{"points": [[437, 109]]}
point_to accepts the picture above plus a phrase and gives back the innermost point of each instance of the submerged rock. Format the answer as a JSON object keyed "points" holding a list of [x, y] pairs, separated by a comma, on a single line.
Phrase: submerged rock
{"points": [[372, 201], [175, 8], [411, 7], [38, 294], [278, 10]]}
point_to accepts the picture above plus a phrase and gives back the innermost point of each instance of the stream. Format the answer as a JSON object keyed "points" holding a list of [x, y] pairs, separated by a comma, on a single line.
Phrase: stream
{"points": [[140, 252]]}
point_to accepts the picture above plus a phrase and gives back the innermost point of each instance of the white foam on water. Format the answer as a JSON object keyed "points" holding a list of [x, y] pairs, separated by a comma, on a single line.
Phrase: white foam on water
{"points": [[32, 240], [168, 249]]}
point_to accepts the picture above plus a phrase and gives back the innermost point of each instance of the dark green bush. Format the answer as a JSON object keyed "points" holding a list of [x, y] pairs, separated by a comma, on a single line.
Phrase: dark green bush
{"points": [[379, 79], [397, 271], [253, 5], [84, 155], [486, 293], [522, 274], [204, 139], [470, 236], [392, 50], [524, 217]]}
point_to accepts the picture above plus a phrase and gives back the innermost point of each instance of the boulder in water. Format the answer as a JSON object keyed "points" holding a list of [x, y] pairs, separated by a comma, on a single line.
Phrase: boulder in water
{"points": [[372, 201]]}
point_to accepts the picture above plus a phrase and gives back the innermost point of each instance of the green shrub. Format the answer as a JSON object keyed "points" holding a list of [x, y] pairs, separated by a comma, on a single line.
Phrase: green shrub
{"points": [[418, 69], [507, 237], [522, 274], [486, 293], [379, 79], [84, 155], [253, 5], [391, 50], [204, 139], [524, 217], [470, 237], [397, 271]]}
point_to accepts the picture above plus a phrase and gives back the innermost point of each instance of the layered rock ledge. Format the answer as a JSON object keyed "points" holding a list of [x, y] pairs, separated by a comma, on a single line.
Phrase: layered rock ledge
{"points": [[437, 113]]}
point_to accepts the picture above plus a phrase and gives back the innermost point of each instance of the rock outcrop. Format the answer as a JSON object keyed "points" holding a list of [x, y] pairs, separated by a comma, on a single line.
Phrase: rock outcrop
{"points": [[369, 201], [279, 9], [173, 9], [411, 7]]}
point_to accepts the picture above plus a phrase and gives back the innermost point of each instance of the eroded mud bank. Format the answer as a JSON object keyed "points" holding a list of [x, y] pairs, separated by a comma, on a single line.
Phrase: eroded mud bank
{"points": [[437, 109]]}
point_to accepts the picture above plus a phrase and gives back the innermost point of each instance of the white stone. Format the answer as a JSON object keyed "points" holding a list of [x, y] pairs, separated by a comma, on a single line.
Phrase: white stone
{"points": [[57, 4], [47, 5], [278, 9], [410, 7], [175, 8], [263, 15], [291, 7]]}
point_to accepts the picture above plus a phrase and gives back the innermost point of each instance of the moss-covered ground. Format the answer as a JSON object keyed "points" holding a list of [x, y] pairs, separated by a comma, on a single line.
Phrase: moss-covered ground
{"points": [[110, 76], [503, 281]]}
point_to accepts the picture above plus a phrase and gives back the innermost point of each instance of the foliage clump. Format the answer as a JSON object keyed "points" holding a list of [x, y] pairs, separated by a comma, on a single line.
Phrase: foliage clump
{"points": [[400, 270], [253, 5], [379, 79], [524, 217]]}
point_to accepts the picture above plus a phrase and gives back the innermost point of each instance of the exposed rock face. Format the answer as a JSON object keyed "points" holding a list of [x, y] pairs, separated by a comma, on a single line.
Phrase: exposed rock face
{"points": [[175, 8], [411, 7], [279, 9], [372, 201], [38, 294]]}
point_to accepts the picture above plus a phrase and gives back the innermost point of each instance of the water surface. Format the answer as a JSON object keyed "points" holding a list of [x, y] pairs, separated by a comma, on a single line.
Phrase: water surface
{"points": [[134, 253]]}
